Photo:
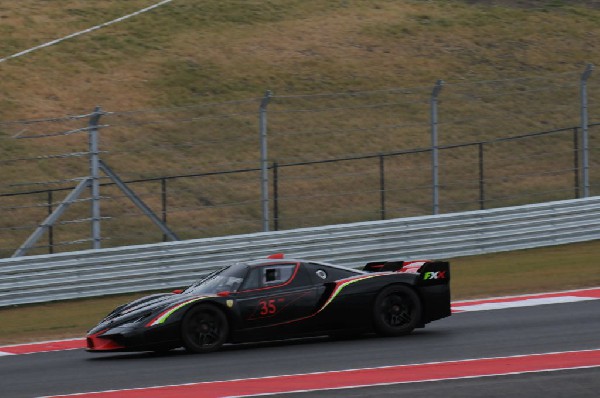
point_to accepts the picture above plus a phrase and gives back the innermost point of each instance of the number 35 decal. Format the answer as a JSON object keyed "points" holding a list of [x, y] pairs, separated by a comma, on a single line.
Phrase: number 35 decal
{"points": [[267, 307]]}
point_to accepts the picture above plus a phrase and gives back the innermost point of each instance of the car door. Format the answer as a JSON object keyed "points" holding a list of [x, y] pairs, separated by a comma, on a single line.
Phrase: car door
{"points": [[277, 296], [341, 313]]}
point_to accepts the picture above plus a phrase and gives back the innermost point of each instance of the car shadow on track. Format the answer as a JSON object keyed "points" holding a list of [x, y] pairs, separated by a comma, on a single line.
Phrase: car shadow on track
{"points": [[421, 335]]}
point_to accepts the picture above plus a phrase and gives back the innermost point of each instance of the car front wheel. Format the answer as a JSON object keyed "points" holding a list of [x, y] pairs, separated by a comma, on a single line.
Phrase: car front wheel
{"points": [[204, 329]]}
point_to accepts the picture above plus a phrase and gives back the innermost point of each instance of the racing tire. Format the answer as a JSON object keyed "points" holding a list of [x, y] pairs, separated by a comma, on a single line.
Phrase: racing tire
{"points": [[204, 328], [397, 311]]}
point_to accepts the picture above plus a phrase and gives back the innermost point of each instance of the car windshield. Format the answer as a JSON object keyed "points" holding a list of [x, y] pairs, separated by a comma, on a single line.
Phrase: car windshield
{"points": [[226, 279]]}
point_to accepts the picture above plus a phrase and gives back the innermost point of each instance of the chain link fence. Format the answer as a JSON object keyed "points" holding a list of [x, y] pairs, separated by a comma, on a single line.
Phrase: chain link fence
{"points": [[282, 161]]}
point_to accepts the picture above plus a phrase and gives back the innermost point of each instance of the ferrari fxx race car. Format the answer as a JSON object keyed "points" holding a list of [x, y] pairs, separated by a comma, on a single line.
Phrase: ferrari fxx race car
{"points": [[278, 298]]}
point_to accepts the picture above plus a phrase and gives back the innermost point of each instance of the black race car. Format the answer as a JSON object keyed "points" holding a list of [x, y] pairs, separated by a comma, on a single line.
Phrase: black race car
{"points": [[277, 298]]}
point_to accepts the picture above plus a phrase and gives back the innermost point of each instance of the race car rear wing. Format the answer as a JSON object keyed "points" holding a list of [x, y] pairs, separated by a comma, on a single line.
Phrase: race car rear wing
{"points": [[384, 266], [431, 271]]}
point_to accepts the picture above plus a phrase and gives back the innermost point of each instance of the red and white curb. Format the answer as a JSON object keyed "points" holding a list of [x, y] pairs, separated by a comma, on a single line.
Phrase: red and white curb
{"points": [[527, 300], [43, 346], [368, 377]]}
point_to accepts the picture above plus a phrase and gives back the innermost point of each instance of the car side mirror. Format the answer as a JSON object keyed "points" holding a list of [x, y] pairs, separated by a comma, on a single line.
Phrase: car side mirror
{"points": [[177, 291]]}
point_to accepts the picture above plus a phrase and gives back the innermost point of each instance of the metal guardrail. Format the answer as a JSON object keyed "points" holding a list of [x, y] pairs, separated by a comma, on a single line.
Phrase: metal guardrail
{"points": [[165, 266]]}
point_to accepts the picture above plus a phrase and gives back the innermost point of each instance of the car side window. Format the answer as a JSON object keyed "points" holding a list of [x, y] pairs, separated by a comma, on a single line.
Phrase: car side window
{"points": [[277, 274], [268, 276], [252, 280]]}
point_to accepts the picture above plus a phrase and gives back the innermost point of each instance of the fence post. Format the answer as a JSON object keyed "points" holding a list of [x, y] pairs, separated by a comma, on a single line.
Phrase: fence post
{"points": [[50, 228], [163, 197], [584, 130], [264, 167], [481, 179], [576, 161], [275, 196], [95, 176], [382, 186], [434, 146]]}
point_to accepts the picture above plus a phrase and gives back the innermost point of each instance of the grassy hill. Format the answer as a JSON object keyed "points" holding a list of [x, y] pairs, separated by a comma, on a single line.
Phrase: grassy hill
{"points": [[184, 82], [189, 51]]}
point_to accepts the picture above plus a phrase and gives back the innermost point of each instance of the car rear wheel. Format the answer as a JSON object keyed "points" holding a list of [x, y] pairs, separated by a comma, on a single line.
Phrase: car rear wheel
{"points": [[204, 329], [397, 311]]}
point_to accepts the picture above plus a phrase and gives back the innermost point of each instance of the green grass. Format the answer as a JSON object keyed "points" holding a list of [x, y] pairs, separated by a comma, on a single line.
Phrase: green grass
{"points": [[527, 271]]}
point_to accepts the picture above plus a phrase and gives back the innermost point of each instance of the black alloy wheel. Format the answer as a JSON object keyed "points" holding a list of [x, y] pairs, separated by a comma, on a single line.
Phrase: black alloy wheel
{"points": [[204, 329], [397, 311]]}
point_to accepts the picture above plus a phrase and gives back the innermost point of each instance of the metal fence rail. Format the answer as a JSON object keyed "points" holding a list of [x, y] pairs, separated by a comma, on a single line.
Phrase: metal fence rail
{"points": [[168, 265], [320, 159]]}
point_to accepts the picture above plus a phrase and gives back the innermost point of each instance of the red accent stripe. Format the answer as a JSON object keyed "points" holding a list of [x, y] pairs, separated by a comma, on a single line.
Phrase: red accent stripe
{"points": [[96, 343], [149, 324], [276, 256], [368, 377]]}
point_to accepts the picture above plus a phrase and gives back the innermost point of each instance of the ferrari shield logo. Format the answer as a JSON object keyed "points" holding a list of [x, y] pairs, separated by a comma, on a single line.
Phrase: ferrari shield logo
{"points": [[229, 303]]}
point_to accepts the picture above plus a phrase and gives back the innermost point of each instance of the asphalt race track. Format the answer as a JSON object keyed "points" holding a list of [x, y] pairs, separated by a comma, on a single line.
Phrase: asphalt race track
{"points": [[469, 335]]}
